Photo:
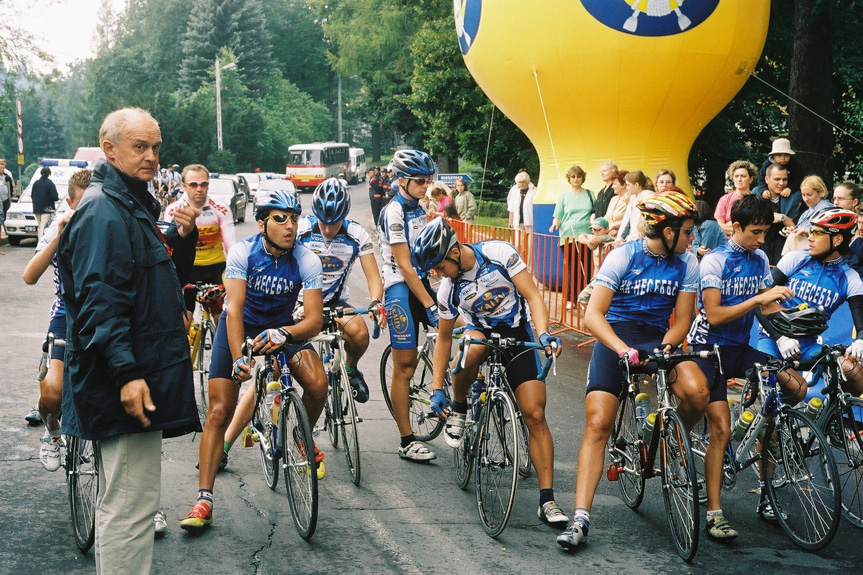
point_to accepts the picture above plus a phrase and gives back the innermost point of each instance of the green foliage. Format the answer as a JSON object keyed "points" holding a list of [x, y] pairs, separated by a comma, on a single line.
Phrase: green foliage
{"points": [[492, 209]]}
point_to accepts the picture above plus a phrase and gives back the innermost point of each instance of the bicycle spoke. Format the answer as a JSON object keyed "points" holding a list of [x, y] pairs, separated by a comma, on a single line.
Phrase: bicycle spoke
{"points": [[347, 421], [625, 450], [845, 435], [679, 486], [300, 470], [497, 464]]}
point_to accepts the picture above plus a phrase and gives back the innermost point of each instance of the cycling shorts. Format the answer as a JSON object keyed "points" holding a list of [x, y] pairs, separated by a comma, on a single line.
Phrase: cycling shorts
{"points": [[222, 362], [57, 326], [603, 372], [809, 347], [521, 364], [405, 313], [211, 274], [736, 359]]}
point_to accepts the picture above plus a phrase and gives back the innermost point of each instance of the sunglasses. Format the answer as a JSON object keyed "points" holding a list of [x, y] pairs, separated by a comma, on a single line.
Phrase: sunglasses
{"points": [[196, 185], [818, 233], [688, 231], [419, 181], [283, 218]]}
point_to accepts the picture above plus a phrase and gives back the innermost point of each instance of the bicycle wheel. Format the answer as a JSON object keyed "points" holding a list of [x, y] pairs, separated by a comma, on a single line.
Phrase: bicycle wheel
{"points": [[625, 449], [205, 352], [298, 463], [331, 409], [699, 438], [82, 471], [463, 456], [262, 421], [346, 416], [424, 425], [679, 486], [524, 464], [801, 479], [496, 463], [845, 435]]}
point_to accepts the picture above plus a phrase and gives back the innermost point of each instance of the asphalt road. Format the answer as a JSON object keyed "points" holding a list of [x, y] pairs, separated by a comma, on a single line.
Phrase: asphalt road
{"points": [[403, 518]]}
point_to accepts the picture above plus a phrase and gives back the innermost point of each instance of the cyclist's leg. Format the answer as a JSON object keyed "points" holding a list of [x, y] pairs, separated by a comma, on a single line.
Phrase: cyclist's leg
{"points": [[854, 374], [308, 371], [793, 385], [51, 395], [688, 383], [462, 380], [242, 417], [356, 337], [403, 328]]}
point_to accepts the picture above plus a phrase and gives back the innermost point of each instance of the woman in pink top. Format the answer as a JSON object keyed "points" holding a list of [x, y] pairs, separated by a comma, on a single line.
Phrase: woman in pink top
{"points": [[742, 174]]}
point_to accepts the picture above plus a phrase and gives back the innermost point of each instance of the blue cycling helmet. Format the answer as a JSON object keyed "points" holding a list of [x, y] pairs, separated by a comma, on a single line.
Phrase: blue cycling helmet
{"points": [[411, 163], [331, 201], [432, 245], [276, 200]]}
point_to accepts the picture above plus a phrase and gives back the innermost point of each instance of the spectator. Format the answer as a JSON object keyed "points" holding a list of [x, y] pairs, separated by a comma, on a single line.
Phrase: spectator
{"points": [[7, 182], [813, 191], [847, 196], [128, 377], [377, 194], [439, 193], [854, 257], [598, 234], [708, 234], [519, 203], [45, 198], [573, 209], [777, 181], [742, 174], [781, 155], [617, 205], [450, 212], [638, 186], [464, 201], [603, 198], [665, 179]]}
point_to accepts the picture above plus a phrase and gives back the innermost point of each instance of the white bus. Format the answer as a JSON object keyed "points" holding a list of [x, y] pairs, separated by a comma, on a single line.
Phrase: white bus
{"points": [[311, 164]]}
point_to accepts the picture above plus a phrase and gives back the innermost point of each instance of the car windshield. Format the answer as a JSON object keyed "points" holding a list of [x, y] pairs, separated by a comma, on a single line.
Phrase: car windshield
{"points": [[221, 189], [285, 185]]}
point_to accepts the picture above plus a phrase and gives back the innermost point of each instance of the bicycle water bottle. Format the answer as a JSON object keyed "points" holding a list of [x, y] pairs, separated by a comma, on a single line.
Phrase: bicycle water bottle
{"points": [[642, 408], [649, 423], [813, 407], [476, 390], [746, 419], [734, 408], [274, 399]]}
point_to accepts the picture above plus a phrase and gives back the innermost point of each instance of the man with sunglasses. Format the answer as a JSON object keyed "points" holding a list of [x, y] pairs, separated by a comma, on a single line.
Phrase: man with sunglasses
{"points": [[264, 276], [215, 230], [408, 296]]}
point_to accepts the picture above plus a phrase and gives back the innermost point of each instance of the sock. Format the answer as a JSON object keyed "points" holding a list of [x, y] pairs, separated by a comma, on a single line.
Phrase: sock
{"points": [[228, 446], [712, 514], [407, 440], [545, 495], [582, 515], [55, 434], [459, 407], [206, 495], [350, 369]]}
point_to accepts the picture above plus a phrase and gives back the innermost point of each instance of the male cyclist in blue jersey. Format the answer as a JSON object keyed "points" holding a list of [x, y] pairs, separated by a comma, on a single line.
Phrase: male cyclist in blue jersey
{"points": [[409, 298], [490, 287], [734, 282], [638, 287], [264, 275]]}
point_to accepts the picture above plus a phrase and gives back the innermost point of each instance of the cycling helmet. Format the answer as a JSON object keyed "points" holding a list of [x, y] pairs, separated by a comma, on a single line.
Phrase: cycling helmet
{"points": [[668, 207], [799, 321], [432, 245], [176, 166], [276, 200], [331, 201], [410, 163], [835, 220]]}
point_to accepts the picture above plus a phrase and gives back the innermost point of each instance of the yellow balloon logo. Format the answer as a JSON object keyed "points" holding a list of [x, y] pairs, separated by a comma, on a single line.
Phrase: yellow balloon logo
{"points": [[651, 17]]}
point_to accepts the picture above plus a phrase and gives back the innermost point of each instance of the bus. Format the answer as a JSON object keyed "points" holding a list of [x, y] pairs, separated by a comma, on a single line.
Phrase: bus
{"points": [[311, 164]]}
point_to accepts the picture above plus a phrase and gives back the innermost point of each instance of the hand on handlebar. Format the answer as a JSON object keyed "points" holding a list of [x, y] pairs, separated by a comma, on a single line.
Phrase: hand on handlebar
{"points": [[378, 313], [271, 340], [438, 403], [242, 371], [552, 344], [634, 356]]}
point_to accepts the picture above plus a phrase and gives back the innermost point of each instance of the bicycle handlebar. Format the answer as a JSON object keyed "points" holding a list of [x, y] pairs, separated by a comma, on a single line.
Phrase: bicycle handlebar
{"points": [[502, 343], [331, 313]]}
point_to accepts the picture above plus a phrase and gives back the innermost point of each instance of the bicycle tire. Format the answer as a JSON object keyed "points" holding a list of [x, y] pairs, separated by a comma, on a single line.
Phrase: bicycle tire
{"points": [[424, 425], [331, 409], [849, 456], [625, 448], [463, 455], [300, 470], [267, 432], [82, 471], [347, 422], [801, 479], [679, 486], [699, 439], [524, 463], [496, 463], [205, 352]]}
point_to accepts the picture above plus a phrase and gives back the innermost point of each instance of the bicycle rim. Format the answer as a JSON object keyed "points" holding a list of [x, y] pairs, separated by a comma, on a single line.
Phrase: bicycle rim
{"points": [[699, 438], [203, 367], [496, 464], [301, 474], [524, 439], [463, 455], [263, 424], [387, 376], [625, 449], [347, 421], [803, 484], [679, 486], [849, 457], [83, 474], [332, 421]]}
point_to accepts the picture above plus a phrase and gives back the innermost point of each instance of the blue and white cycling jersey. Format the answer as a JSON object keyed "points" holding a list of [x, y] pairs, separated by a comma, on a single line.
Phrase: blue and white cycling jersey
{"points": [[485, 295], [400, 222], [337, 255], [272, 284], [645, 285], [820, 284], [58, 308], [739, 275]]}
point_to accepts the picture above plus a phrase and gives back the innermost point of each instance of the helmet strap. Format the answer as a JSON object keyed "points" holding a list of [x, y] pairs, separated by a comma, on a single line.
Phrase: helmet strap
{"points": [[279, 251], [457, 262], [669, 249]]}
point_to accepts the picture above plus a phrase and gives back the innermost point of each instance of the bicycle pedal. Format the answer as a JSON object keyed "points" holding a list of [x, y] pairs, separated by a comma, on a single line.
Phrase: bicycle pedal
{"points": [[613, 472], [359, 419]]}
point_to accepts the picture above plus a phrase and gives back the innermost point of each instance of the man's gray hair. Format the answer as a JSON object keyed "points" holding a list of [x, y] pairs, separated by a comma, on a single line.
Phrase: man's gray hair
{"points": [[522, 177], [115, 123]]}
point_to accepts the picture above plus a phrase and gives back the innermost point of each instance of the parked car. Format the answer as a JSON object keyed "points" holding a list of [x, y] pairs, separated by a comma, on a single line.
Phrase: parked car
{"points": [[227, 191], [276, 184], [252, 180], [358, 166]]}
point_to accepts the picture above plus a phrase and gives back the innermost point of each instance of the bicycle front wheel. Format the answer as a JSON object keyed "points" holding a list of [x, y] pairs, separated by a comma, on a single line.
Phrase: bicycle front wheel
{"points": [[298, 463], [524, 464], [625, 449], [82, 471], [202, 366], [425, 425], [679, 486], [463, 455], [346, 419], [331, 409], [845, 435], [801, 479], [699, 439], [262, 421], [496, 463]]}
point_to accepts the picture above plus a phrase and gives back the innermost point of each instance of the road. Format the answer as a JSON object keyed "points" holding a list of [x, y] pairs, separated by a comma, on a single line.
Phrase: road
{"points": [[404, 518]]}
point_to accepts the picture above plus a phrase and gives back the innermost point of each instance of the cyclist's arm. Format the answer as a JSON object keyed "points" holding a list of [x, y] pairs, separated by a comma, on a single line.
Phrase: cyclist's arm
{"points": [[40, 262], [684, 309], [235, 294], [226, 228], [373, 276], [402, 255], [718, 314], [523, 282], [442, 347], [310, 325], [594, 319], [855, 303]]}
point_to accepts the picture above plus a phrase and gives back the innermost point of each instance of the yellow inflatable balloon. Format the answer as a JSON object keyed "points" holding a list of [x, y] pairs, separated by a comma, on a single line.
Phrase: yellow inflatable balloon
{"points": [[593, 80]]}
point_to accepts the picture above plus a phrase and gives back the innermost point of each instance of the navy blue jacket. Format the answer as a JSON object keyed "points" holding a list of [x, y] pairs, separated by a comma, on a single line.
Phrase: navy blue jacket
{"points": [[124, 312], [44, 195]]}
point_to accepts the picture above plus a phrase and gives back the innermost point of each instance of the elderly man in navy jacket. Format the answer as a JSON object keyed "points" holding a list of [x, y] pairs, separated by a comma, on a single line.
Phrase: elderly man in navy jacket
{"points": [[128, 378]]}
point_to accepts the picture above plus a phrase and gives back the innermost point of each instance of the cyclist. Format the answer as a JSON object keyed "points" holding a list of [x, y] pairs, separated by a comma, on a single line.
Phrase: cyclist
{"points": [[409, 298], [494, 274], [265, 273], [215, 232], [339, 242], [638, 287], [734, 281]]}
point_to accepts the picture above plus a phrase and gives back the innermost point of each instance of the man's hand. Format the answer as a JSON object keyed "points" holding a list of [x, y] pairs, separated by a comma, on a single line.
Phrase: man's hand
{"points": [[135, 397], [855, 350], [185, 216], [789, 348], [64, 219], [552, 344], [785, 193], [378, 313], [432, 316], [242, 371], [775, 294]]}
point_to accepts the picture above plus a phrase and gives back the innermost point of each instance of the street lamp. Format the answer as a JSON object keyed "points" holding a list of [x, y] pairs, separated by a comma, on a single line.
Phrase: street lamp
{"points": [[219, 97]]}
